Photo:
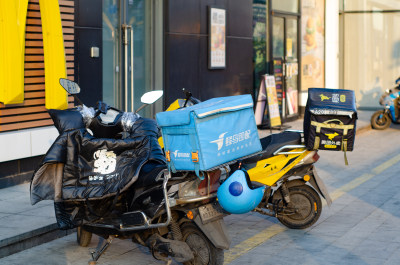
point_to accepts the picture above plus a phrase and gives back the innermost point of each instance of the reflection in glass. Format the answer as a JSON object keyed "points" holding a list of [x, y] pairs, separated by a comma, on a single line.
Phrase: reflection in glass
{"points": [[111, 52], [138, 12], [278, 25], [291, 38], [286, 5], [259, 41]]}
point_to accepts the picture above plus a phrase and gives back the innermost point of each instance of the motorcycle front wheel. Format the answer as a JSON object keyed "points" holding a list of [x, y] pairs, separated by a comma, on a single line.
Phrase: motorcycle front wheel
{"points": [[380, 120], [306, 205], [205, 253]]}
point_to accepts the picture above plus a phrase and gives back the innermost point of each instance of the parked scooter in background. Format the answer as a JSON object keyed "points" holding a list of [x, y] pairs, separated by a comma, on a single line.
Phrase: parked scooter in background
{"points": [[382, 119], [174, 215]]}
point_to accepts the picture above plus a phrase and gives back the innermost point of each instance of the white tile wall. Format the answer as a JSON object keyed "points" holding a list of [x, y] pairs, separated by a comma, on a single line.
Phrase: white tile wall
{"points": [[332, 44], [26, 143], [42, 139]]}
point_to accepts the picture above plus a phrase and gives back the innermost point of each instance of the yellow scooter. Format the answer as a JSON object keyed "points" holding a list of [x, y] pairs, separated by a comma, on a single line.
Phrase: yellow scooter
{"points": [[286, 167], [293, 190]]}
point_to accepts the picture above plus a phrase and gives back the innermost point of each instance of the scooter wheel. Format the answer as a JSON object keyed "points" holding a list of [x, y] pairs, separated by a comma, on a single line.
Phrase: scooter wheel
{"points": [[380, 120], [83, 237], [307, 204], [204, 251]]}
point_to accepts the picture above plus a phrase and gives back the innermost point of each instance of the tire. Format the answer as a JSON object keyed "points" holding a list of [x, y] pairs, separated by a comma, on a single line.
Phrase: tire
{"points": [[83, 237], [380, 120], [308, 202], [205, 253]]}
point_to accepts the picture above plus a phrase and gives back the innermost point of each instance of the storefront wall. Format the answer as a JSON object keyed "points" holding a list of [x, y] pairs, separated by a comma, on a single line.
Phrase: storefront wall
{"points": [[186, 50], [25, 127], [371, 45]]}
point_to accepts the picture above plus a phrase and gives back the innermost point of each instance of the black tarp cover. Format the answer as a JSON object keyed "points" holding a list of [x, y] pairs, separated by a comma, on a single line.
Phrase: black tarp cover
{"points": [[79, 166]]}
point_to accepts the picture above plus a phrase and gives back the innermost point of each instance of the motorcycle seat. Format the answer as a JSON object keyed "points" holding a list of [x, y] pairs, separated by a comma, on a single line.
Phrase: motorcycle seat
{"points": [[148, 174], [273, 142]]}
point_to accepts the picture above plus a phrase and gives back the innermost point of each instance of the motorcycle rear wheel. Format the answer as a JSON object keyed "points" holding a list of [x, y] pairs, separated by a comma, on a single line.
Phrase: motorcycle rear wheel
{"points": [[380, 120], [83, 237], [308, 207], [205, 253]]}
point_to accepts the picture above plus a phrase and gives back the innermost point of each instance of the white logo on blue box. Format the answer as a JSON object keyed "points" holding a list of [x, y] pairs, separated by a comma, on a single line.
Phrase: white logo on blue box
{"points": [[220, 140], [180, 155], [230, 140]]}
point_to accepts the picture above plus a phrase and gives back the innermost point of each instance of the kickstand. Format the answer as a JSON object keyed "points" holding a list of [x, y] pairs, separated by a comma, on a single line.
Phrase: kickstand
{"points": [[100, 249]]}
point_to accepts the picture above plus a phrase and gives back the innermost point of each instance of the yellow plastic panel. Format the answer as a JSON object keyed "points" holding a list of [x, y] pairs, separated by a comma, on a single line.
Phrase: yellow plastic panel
{"points": [[270, 170], [22, 7], [54, 54], [12, 50]]}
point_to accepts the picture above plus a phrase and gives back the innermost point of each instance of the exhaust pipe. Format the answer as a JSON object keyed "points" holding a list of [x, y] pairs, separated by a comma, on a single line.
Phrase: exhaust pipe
{"points": [[178, 250]]}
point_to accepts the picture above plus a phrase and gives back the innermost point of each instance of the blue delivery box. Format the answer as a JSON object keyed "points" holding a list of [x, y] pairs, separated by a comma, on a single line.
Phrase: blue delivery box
{"points": [[211, 133]]}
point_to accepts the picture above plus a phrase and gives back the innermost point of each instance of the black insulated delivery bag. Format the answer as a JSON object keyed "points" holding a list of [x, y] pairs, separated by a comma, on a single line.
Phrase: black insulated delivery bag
{"points": [[330, 120]]}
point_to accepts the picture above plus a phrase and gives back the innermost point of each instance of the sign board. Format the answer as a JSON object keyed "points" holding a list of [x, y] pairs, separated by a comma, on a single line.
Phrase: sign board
{"points": [[268, 96], [217, 39]]}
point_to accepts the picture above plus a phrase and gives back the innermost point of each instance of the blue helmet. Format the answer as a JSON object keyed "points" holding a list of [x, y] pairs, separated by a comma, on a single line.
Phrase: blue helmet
{"points": [[235, 195]]}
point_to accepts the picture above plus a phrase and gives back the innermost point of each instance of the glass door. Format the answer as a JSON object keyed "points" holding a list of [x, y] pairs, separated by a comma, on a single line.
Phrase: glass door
{"points": [[292, 66], [285, 62], [130, 56]]}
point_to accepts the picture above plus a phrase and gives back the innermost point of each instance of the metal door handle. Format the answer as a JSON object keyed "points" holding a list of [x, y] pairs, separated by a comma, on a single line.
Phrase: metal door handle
{"points": [[132, 81], [126, 43]]}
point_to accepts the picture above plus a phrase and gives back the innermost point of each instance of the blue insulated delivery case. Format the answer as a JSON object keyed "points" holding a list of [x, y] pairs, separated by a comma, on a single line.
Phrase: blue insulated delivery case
{"points": [[210, 133]]}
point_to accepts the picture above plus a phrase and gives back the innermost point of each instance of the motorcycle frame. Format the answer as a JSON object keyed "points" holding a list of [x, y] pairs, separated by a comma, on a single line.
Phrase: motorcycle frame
{"points": [[169, 202], [147, 224]]}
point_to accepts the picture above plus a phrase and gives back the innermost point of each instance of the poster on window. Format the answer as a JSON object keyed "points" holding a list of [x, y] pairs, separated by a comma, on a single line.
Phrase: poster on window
{"points": [[312, 44], [217, 38]]}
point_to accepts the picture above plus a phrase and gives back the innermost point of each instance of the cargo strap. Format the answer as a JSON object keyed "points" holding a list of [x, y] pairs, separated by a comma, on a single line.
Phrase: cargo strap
{"points": [[327, 124], [344, 149], [194, 153]]}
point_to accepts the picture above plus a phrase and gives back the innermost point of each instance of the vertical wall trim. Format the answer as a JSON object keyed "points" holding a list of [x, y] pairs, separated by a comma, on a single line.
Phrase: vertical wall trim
{"points": [[332, 44]]}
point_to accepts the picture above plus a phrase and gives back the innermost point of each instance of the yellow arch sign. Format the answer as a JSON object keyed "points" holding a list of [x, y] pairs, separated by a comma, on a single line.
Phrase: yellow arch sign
{"points": [[12, 52]]}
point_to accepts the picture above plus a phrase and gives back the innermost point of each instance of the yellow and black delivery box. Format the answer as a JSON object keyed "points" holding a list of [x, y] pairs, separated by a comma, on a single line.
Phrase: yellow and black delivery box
{"points": [[330, 119]]}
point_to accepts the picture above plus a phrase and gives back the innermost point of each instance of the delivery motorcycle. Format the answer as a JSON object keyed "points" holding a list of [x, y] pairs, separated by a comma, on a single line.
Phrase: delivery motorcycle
{"points": [[280, 181], [382, 119], [294, 189], [107, 175]]}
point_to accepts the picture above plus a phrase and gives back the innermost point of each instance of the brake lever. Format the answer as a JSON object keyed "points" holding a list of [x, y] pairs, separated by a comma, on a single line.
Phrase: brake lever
{"points": [[102, 107]]}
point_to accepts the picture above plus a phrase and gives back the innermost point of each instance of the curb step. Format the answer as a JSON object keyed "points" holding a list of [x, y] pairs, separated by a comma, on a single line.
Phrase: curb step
{"points": [[31, 239]]}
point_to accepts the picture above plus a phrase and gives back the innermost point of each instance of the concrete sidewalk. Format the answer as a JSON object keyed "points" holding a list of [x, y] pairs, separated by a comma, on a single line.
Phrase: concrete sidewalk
{"points": [[23, 226]]}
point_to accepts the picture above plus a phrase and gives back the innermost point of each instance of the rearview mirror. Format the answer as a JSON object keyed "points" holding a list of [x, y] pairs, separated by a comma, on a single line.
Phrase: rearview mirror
{"points": [[151, 97], [70, 86]]}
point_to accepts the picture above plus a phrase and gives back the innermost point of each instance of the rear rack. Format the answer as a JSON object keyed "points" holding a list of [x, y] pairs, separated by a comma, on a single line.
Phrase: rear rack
{"points": [[289, 147]]}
